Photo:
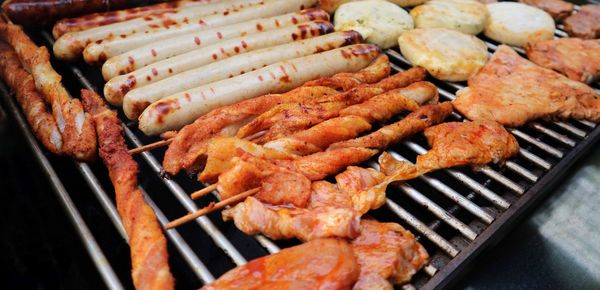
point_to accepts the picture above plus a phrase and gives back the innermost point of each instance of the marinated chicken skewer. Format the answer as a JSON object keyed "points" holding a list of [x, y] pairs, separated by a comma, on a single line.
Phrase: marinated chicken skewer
{"points": [[512, 91], [21, 82], [415, 122], [286, 119], [356, 119], [74, 125], [190, 143], [332, 266], [150, 268]]}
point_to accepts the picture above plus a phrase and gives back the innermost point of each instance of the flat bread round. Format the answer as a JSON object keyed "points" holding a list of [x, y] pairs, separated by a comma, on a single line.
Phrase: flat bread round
{"points": [[517, 24], [379, 22], [446, 54], [467, 16]]}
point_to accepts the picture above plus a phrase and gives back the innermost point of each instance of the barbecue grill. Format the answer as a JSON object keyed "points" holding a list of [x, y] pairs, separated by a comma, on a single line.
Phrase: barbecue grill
{"points": [[455, 213]]}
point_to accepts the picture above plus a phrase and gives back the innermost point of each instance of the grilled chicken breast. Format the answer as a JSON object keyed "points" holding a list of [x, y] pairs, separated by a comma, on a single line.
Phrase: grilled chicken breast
{"points": [[585, 23], [512, 91], [558, 9]]}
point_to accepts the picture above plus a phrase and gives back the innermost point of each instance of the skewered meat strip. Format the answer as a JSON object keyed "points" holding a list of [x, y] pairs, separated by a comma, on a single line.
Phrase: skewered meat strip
{"points": [[584, 23], [356, 119], [190, 143], [150, 268], [576, 58], [322, 164], [415, 122], [319, 264], [75, 126], [467, 143], [285, 222], [558, 9], [289, 118], [512, 91], [21, 82], [387, 254]]}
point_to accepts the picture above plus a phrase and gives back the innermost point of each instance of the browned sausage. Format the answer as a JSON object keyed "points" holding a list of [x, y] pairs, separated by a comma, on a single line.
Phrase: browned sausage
{"points": [[103, 18], [33, 12]]}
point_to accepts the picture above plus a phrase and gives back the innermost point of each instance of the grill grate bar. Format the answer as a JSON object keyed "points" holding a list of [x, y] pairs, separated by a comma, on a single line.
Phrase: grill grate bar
{"points": [[535, 159], [557, 136], [571, 129], [520, 169], [452, 194], [549, 149], [422, 228]]}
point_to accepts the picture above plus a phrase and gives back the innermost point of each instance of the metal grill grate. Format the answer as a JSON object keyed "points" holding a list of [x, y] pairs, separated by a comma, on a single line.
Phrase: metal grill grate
{"points": [[455, 213]]}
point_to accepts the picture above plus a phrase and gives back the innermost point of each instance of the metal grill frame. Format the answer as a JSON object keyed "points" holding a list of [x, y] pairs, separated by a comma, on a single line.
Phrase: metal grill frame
{"points": [[580, 141]]}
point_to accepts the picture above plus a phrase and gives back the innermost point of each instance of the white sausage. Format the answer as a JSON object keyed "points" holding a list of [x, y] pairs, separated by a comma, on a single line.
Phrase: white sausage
{"points": [[138, 99], [70, 45], [115, 89], [165, 48], [98, 52], [176, 111]]}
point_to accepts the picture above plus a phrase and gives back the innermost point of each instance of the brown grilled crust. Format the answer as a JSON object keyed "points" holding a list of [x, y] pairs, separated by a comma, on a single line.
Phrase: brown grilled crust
{"points": [[28, 12], [21, 82], [150, 268], [584, 23]]}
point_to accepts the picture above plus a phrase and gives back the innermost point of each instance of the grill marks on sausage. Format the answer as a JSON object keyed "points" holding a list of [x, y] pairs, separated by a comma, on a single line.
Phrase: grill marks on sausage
{"points": [[129, 84], [307, 30], [197, 40], [359, 51]]}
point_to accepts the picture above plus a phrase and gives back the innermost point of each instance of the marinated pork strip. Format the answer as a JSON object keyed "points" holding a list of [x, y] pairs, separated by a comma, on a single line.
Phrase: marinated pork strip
{"points": [[584, 23], [387, 254], [113, 46], [356, 119], [35, 12], [578, 59], [74, 125], [149, 258], [467, 143], [285, 222], [32, 103], [116, 88], [169, 47], [70, 45], [415, 122], [319, 264], [178, 110], [189, 145], [287, 119], [138, 99], [558, 9], [104, 18], [512, 91]]}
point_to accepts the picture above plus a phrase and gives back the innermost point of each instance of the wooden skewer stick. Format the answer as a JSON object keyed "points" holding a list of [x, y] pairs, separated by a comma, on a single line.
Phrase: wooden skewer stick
{"points": [[212, 207], [150, 146], [202, 192]]}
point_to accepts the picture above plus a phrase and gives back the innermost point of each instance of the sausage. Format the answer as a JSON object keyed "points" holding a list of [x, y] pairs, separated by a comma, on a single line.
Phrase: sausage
{"points": [[115, 89], [162, 49], [104, 18], [70, 45], [138, 99], [35, 12], [99, 52], [183, 108]]}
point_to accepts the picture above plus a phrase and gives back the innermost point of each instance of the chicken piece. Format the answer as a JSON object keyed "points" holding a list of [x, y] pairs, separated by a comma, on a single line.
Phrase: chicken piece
{"points": [[149, 258], [467, 143], [221, 150], [319, 264], [512, 91], [356, 119], [558, 9], [285, 222], [325, 193], [415, 122], [322, 164], [584, 23], [42, 123], [278, 185], [290, 118], [190, 143], [387, 254], [576, 58]]}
